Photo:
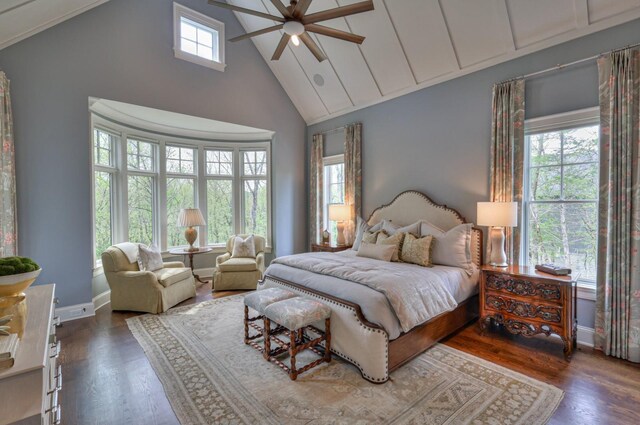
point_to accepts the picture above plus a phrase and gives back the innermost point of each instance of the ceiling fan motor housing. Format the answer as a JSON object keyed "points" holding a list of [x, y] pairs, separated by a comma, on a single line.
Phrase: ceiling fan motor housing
{"points": [[293, 27]]}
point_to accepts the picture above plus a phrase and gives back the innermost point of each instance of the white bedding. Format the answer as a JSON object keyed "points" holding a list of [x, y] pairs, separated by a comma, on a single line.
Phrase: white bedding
{"points": [[374, 303]]}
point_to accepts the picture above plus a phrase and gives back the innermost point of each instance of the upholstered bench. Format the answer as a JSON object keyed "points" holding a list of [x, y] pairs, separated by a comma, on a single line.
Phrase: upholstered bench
{"points": [[296, 315], [258, 301]]}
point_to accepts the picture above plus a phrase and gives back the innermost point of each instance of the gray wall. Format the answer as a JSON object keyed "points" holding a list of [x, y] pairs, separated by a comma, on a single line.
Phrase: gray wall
{"points": [[437, 140], [123, 50]]}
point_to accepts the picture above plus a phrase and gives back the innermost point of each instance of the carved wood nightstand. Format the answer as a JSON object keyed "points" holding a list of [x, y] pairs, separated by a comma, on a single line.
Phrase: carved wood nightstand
{"points": [[328, 248], [528, 303]]}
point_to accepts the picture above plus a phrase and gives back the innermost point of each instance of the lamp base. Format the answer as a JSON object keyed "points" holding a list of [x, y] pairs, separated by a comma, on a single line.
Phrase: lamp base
{"points": [[498, 256], [191, 234], [340, 240]]}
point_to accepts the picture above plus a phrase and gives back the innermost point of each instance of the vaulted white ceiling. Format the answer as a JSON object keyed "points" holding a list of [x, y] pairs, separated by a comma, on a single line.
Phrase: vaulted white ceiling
{"points": [[412, 44], [20, 19]]}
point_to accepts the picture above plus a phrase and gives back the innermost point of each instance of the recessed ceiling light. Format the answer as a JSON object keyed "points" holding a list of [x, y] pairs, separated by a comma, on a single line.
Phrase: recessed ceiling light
{"points": [[319, 80]]}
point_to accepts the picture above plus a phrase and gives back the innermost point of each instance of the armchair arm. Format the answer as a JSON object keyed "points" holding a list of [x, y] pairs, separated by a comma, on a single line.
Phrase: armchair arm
{"points": [[260, 261], [222, 258], [173, 265], [137, 278]]}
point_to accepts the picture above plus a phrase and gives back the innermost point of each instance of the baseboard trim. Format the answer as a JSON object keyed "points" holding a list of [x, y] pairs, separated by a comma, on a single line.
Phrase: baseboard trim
{"points": [[73, 312], [102, 299], [586, 336]]}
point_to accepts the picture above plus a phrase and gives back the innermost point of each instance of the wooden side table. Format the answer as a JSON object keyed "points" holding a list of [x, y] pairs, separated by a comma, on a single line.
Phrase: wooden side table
{"points": [[190, 254], [328, 248], [528, 302]]}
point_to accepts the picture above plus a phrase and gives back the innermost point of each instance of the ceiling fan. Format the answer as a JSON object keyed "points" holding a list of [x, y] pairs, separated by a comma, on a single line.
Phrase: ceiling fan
{"points": [[297, 24]]}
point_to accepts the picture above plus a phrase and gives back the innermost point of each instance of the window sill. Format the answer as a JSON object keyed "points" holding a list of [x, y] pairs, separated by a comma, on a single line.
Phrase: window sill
{"points": [[218, 66], [586, 292]]}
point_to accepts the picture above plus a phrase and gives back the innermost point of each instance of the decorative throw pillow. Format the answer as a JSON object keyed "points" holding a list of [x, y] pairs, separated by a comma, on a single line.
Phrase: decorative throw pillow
{"points": [[376, 227], [451, 248], [361, 228], [371, 237], [377, 252], [395, 240], [417, 250], [392, 228], [149, 258], [244, 248]]}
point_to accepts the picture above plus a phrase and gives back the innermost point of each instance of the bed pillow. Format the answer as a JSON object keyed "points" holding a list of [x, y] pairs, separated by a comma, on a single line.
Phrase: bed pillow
{"points": [[394, 240], [149, 258], [362, 227], [244, 248], [371, 237], [451, 248], [417, 250], [377, 252], [392, 228]]}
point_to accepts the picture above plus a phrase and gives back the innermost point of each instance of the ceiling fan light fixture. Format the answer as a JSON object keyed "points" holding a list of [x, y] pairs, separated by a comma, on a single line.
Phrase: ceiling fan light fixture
{"points": [[295, 40], [293, 28]]}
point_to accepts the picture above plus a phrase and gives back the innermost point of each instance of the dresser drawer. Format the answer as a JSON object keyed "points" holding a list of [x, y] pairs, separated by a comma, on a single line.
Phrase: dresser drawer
{"points": [[508, 285], [531, 310]]}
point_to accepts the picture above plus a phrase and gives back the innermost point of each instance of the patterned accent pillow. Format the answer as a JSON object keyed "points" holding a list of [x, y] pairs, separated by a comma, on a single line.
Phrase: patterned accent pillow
{"points": [[149, 258], [371, 237], [395, 240], [244, 248], [417, 250]]}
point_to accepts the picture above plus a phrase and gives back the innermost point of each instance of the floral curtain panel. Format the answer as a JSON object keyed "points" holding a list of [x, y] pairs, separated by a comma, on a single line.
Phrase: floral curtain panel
{"points": [[617, 330], [352, 177], [507, 155], [316, 189], [8, 226]]}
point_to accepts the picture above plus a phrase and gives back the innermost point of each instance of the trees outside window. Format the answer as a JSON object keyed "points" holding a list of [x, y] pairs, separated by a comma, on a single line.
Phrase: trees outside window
{"points": [[333, 190], [104, 170], [562, 202], [255, 191]]}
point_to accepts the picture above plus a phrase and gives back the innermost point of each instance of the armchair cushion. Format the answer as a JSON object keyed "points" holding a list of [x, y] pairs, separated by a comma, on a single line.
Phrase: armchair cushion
{"points": [[238, 265], [169, 276]]}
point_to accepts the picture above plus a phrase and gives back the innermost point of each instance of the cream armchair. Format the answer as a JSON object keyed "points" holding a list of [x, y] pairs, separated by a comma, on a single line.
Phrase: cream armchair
{"points": [[239, 273], [151, 292]]}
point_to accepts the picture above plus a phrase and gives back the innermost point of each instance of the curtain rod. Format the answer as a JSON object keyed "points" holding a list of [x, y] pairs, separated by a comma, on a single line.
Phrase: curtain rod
{"points": [[566, 65], [333, 130]]}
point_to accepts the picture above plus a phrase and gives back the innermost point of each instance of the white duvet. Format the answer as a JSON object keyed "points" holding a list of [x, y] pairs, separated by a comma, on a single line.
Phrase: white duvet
{"points": [[416, 294]]}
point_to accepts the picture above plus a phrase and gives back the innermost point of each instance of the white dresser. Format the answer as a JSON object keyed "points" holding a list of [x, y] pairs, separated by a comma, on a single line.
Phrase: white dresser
{"points": [[29, 390]]}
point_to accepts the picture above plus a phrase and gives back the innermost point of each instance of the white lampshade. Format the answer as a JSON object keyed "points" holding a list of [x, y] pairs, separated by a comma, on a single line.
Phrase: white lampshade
{"points": [[339, 212], [497, 214], [189, 217]]}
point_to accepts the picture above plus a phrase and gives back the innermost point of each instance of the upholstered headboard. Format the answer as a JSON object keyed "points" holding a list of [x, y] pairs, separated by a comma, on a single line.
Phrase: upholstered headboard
{"points": [[411, 206]]}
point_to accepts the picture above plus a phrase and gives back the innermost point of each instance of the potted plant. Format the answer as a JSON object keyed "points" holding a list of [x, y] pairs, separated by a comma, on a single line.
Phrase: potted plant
{"points": [[16, 275]]}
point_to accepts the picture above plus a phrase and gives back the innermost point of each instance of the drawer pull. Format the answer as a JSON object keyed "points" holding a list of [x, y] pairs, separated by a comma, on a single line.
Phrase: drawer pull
{"points": [[56, 300], [58, 378], [56, 321], [57, 418], [57, 352], [54, 403], [53, 339]]}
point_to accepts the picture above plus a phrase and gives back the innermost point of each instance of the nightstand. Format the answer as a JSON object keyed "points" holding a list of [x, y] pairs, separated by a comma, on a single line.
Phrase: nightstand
{"points": [[328, 248], [528, 303]]}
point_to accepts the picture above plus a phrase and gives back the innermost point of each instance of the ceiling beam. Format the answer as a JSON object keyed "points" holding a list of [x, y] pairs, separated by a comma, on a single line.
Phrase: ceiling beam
{"points": [[505, 20], [581, 8]]}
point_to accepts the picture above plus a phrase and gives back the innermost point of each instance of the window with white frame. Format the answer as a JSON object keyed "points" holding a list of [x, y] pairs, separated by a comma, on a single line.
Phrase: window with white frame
{"points": [[561, 192], [198, 38], [141, 180], [333, 190]]}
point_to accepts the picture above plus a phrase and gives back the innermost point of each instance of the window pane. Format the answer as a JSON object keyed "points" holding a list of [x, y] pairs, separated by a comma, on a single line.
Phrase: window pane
{"points": [[205, 38], [102, 212], [205, 52], [103, 146], [544, 183], [545, 149], [581, 144], [564, 234], [140, 155], [219, 210], [219, 163], [180, 194], [140, 203], [581, 181], [187, 30], [255, 207], [255, 163], [180, 160], [189, 46]]}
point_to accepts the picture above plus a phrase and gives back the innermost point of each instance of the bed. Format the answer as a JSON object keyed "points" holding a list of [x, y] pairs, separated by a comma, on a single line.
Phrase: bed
{"points": [[366, 331]]}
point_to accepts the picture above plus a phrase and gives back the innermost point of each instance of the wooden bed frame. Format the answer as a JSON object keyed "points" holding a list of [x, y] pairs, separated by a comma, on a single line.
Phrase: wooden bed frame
{"points": [[408, 207]]}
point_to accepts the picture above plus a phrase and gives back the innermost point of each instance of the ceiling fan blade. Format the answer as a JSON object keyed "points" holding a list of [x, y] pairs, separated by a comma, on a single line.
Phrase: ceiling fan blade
{"points": [[259, 32], [315, 49], [338, 12], [301, 8], [335, 33], [281, 8], [283, 43], [245, 10]]}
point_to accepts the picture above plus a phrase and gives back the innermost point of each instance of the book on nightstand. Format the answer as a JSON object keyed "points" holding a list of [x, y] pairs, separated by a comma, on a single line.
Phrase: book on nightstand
{"points": [[8, 348], [553, 269]]}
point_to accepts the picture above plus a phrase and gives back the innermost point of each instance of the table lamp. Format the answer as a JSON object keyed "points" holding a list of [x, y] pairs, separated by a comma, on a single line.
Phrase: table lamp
{"points": [[497, 215], [189, 218], [340, 213]]}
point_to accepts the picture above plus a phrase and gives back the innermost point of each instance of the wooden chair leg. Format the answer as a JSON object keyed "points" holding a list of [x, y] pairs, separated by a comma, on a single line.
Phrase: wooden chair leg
{"points": [[267, 338], [301, 335], [327, 342], [293, 350]]}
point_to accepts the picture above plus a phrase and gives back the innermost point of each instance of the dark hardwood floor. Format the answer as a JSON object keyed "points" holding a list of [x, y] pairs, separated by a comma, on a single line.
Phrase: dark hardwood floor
{"points": [[108, 379]]}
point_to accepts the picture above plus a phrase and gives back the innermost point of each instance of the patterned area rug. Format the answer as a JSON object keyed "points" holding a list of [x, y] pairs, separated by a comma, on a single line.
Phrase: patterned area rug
{"points": [[211, 377]]}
